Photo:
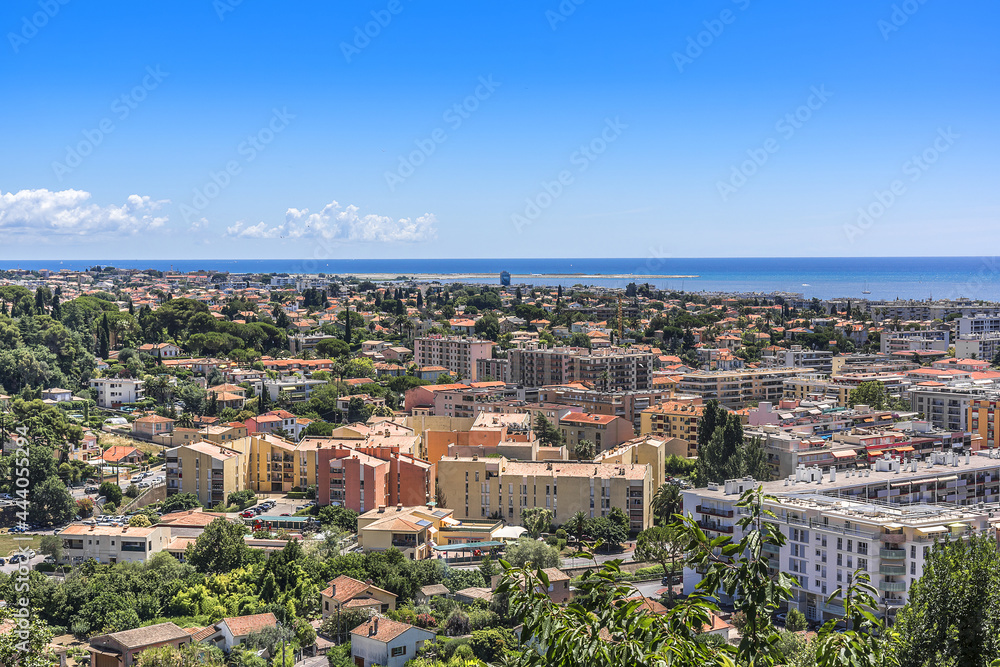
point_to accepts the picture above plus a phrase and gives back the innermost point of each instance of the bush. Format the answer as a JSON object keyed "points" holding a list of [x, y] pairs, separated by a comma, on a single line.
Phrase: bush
{"points": [[490, 645], [132, 491], [795, 621], [109, 508], [561, 534], [457, 623], [80, 629], [651, 572], [242, 499]]}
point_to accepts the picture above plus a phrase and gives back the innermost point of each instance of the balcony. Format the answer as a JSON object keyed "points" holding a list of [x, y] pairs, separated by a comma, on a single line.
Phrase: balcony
{"points": [[717, 527], [893, 570], [892, 554], [892, 586], [702, 509]]}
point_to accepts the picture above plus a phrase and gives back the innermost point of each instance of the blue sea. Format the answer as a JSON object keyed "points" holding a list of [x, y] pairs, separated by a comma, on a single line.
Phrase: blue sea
{"points": [[886, 277]]}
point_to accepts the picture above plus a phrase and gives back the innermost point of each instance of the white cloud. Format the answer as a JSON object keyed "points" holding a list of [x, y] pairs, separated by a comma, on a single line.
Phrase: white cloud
{"points": [[70, 212], [334, 223]]}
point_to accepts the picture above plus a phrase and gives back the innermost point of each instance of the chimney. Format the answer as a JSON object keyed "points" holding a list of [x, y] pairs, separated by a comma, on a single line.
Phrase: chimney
{"points": [[375, 625]]}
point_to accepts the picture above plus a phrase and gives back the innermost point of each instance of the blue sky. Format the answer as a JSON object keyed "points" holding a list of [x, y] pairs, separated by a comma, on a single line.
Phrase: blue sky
{"points": [[590, 130]]}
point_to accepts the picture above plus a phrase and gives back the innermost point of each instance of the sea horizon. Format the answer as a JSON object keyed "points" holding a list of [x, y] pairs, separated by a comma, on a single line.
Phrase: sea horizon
{"points": [[885, 278]]}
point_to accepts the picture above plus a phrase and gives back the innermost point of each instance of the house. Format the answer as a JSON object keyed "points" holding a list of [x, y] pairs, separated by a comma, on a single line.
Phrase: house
{"points": [[146, 427], [425, 593], [109, 544], [122, 454], [380, 641], [233, 631], [57, 395], [228, 396], [116, 392], [346, 593], [122, 649], [160, 350], [558, 590]]}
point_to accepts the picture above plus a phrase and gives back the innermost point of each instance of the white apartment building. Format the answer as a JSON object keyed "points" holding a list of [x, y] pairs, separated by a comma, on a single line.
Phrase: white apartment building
{"points": [[458, 354], [883, 520], [116, 392], [980, 323], [983, 346], [109, 544], [817, 360], [913, 341]]}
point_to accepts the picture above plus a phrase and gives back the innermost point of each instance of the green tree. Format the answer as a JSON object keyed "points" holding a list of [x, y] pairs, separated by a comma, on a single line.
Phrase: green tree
{"points": [[532, 553], [663, 545], [220, 548], [30, 649], [546, 433], [112, 492], [536, 520], [139, 521], [795, 621], [585, 450], [491, 644], [871, 393], [952, 612], [51, 545], [666, 503], [180, 502], [342, 517], [51, 503]]}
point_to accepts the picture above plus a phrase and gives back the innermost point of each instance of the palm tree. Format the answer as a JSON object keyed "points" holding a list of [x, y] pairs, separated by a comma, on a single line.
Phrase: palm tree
{"points": [[666, 503], [577, 525], [185, 420]]}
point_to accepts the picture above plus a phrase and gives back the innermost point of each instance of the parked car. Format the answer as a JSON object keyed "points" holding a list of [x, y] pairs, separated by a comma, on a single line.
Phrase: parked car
{"points": [[50, 560], [91, 489], [3, 561], [17, 558], [284, 514]]}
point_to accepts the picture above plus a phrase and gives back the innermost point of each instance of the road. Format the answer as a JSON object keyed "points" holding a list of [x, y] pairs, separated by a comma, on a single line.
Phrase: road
{"points": [[8, 568], [316, 661]]}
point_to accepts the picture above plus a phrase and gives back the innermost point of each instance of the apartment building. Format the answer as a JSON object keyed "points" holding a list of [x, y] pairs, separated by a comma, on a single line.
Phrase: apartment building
{"points": [[882, 519], [459, 354], [606, 369], [944, 406], [278, 466], [498, 487], [984, 346], [415, 531], [676, 419], [625, 404], [494, 369], [734, 389], [816, 387], [297, 389], [108, 544], [983, 420], [914, 340], [116, 392], [797, 357], [208, 470], [364, 478], [605, 431], [460, 400], [980, 323], [646, 450]]}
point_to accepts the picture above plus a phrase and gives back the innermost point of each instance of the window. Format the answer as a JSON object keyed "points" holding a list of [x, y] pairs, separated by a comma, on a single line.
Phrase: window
{"points": [[398, 650], [913, 551]]}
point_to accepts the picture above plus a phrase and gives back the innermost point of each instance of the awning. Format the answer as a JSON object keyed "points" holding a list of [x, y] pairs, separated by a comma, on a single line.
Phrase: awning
{"points": [[896, 485], [893, 525], [468, 546], [949, 478], [448, 521], [903, 449], [846, 454], [958, 524], [933, 529]]}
